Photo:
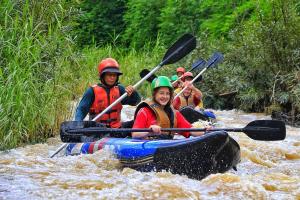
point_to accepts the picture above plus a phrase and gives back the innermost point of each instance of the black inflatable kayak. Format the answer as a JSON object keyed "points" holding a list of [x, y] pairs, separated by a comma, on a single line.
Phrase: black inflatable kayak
{"points": [[196, 157], [192, 115]]}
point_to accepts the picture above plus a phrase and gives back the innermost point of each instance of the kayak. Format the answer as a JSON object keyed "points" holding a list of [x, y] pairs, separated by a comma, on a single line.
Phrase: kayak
{"points": [[192, 115], [195, 157]]}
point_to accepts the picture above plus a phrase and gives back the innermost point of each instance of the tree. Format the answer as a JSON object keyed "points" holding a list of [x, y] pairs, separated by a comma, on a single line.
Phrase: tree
{"points": [[100, 22]]}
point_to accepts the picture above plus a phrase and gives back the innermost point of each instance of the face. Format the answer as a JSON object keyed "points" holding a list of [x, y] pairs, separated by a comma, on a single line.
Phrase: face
{"points": [[187, 92], [162, 96], [179, 74], [110, 78]]}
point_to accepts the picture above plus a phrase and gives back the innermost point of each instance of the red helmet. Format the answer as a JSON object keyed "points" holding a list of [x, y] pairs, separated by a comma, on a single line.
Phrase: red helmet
{"points": [[188, 74], [109, 65], [180, 69]]}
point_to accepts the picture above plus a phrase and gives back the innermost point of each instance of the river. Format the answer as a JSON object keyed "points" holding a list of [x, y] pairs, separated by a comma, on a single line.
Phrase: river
{"points": [[268, 170]]}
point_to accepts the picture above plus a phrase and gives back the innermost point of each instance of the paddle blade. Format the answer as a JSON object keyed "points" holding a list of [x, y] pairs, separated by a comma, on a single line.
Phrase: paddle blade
{"points": [[179, 49], [144, 72], [67, 126], [198, 65], [215, 59], [266, 130]]}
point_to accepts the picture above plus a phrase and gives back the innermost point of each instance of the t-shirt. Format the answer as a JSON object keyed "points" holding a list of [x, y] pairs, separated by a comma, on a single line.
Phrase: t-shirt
{"points": [[146, 117]]}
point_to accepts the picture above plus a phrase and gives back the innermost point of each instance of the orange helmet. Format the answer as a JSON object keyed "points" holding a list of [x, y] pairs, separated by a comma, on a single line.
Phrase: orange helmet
{"points": [[109, 65], [188, 74], [180, 69]]}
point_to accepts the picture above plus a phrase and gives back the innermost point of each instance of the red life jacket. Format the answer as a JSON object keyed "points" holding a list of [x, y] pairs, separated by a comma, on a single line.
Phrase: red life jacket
{"points": [[111, 118]]}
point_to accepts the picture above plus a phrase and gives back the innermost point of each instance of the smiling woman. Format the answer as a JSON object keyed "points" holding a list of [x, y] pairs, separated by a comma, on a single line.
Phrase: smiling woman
{"points": [[158, 113]]}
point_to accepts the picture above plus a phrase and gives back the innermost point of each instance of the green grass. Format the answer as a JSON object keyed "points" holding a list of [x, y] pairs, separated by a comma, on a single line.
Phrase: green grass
{"points": [[34, 56], [41, 71]]}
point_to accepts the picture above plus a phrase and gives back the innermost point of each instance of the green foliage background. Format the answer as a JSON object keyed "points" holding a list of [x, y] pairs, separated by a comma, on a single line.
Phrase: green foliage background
{"points": [[49, 54]]}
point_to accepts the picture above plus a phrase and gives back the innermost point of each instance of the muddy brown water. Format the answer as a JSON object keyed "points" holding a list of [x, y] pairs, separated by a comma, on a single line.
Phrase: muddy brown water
{"points": [[268, 170]]}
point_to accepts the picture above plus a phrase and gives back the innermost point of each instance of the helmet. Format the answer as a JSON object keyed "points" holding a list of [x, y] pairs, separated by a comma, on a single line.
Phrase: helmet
{"points": [[180, 69], [109, 65], [188, 74], [174, 78], [161, 81]]}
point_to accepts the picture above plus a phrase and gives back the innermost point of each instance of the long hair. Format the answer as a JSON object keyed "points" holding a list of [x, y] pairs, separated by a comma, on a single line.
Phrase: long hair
{"points": [[168, 107]]}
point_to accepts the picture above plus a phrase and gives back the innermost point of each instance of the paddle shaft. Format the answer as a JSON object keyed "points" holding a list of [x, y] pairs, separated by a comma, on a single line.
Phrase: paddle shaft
{"points": [[59, 149], [129, 130]]}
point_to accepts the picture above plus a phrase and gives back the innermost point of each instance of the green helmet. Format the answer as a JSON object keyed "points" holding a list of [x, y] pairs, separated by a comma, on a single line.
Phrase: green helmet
{"points": [[161, 81], [174, 78]]}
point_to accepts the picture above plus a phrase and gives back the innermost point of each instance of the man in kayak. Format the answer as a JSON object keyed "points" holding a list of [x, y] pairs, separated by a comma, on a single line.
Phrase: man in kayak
{"points": [[99, 96], [158, 113], [191, 96]]}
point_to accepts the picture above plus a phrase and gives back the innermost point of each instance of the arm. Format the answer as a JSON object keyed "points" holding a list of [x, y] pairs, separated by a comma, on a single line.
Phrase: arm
{"points": [[133, 99], [183, 123], [85, 104], [176, 103], [198, 103], [199, 106], [145, 119], [197, 92]]}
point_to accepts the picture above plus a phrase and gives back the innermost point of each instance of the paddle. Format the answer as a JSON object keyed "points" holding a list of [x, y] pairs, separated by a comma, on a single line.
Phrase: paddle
{"points": [[144, 72], [198, 65], [265, 130], [178, 50], [213, 61]]}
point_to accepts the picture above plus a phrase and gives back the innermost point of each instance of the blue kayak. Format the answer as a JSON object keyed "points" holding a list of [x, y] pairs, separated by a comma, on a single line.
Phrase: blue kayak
{"points": [[196, 157]]}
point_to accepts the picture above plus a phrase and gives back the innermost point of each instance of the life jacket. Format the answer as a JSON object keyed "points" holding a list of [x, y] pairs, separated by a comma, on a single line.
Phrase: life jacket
{"points": [[162, 117], [177, 90], [103, 99], [190, 101]]}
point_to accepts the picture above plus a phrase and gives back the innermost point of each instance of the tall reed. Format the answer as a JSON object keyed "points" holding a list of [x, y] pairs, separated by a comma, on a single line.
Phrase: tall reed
{"points": [[35, 51]]}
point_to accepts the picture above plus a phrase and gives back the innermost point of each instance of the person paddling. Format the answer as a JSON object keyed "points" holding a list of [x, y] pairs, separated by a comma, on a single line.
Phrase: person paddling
{"points": [[191, 96], [99, 96], [158, 113]]}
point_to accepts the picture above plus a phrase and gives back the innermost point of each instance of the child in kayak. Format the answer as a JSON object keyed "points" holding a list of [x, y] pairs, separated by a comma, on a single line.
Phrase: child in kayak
{"points": [[99, 96], [159, 113], [191, 96]]}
